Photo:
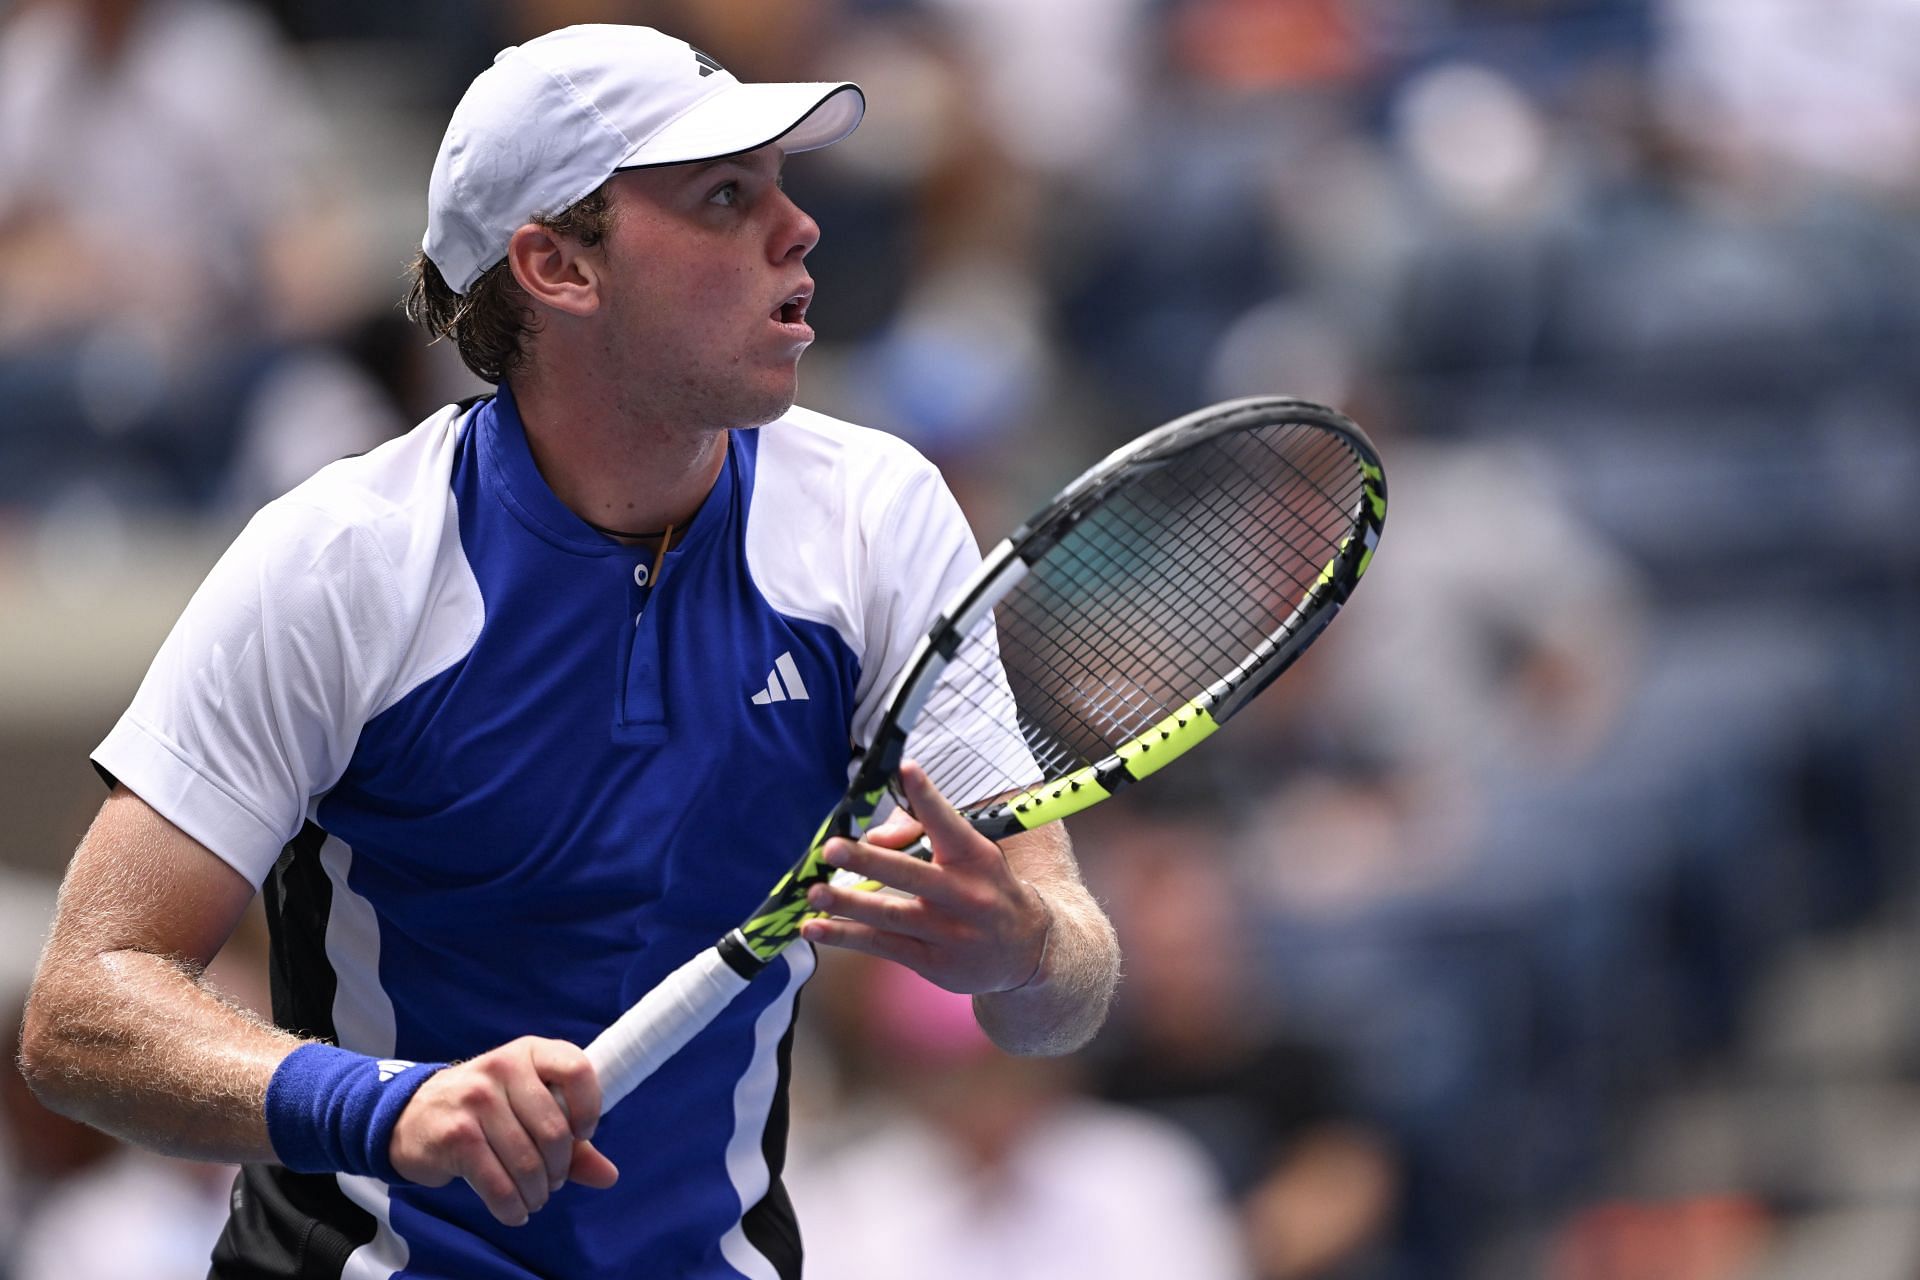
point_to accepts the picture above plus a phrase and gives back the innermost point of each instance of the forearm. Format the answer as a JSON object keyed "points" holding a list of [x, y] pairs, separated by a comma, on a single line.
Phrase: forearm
{"points": [[135, 1044], [1065, 1003]]}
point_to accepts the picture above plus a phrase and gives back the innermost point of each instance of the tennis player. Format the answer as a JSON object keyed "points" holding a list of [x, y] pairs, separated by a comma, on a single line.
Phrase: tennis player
{"points": [[511, 716]]}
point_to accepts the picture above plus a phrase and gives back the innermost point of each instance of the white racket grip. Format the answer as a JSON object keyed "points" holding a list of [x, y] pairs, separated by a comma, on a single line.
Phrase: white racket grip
{"points": [[668, 1016]]}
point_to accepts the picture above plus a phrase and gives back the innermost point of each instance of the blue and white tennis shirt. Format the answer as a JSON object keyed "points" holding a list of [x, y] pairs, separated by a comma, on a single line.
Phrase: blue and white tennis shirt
{"points": [[493, 782]]}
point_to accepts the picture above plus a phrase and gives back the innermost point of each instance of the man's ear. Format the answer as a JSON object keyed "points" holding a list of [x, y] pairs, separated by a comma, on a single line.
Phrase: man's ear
{"points": [[555, 270]]}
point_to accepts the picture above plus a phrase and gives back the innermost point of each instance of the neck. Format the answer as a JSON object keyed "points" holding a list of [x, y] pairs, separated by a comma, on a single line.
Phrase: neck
{"points": [[613, 472]]}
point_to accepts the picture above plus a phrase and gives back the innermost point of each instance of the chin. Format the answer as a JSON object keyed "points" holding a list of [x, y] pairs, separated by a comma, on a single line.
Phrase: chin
{"points": [[758, 417], [758, 411], [726, 400]]}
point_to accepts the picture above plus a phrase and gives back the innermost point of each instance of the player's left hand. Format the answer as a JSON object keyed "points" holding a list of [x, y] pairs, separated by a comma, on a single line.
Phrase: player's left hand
{"points": [[970, 925]]}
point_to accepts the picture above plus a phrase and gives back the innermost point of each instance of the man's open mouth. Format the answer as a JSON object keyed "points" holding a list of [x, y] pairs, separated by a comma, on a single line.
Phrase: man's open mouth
{"points": [[794, 309]]}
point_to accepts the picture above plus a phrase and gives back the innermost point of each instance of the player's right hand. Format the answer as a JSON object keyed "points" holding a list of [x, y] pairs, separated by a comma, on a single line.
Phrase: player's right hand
{"points": [[514, 1122]]}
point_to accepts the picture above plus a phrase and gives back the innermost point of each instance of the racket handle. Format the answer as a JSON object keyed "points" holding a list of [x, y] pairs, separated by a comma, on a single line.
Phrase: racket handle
{"points": [[668, 1016], [671, 1014]]}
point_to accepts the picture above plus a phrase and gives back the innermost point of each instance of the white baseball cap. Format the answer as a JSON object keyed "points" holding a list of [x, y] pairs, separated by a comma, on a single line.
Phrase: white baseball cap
{"points": [[555, 117]]}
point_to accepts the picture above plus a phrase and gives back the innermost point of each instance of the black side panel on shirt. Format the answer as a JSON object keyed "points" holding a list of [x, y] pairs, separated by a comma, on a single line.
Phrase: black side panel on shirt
{"points": [[771, 1225], [299, 898], [286, 1225]]}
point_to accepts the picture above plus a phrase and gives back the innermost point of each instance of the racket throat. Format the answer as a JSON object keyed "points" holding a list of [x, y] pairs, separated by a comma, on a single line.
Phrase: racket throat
{"points": [[739, 956]]}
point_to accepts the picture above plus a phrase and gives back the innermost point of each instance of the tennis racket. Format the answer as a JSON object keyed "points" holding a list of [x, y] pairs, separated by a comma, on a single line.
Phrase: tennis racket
{"points": [[1128, 620]]}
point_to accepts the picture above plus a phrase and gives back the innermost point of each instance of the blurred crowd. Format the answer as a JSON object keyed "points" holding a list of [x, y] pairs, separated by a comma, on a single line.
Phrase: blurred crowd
{"points": [[1495, 941]]}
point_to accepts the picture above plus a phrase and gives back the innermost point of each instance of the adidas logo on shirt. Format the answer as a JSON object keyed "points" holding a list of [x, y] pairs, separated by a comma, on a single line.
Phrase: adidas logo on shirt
{"points": [[783, 683]]}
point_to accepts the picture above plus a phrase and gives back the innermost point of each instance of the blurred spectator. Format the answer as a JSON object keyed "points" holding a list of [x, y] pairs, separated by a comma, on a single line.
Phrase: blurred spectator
{"points": [[162, 240], [1195, 1039], [1058, 85], [966, 1163], [133, 1214], [1250, 46], [1500, 633], [1829, 91], [1703, 1238]]}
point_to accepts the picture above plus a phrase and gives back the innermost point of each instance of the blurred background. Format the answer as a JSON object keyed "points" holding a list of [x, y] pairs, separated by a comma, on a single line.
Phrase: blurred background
{"points": [[1555, 919]]}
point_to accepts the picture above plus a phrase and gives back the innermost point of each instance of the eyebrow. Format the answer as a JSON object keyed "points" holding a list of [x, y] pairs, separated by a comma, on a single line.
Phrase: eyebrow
{"points": [[738, 160]]}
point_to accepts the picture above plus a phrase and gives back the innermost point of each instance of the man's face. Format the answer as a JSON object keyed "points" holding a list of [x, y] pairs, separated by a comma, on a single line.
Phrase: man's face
{"points": [[705, 296]]}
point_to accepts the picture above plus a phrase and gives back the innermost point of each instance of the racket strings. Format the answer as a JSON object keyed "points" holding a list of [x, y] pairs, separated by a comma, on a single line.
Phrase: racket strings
{"points": [[1099, 635], [1168, 586], [1134, 617], [1186, 577]]}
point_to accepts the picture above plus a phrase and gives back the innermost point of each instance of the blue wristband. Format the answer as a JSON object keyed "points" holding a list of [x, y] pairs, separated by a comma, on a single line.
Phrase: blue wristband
{"points": [[330, 1110]]}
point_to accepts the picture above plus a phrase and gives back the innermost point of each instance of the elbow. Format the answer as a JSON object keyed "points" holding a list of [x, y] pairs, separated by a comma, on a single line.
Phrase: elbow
{"points": [[39, 1057]]}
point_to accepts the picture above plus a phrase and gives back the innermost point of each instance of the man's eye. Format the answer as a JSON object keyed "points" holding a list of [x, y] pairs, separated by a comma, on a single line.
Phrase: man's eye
{"points": [[727, 193]]}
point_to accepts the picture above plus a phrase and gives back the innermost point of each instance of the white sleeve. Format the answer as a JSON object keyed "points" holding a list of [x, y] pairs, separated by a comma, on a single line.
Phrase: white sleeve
{"points": [[968, 736], [921, 552], [255, 701]]}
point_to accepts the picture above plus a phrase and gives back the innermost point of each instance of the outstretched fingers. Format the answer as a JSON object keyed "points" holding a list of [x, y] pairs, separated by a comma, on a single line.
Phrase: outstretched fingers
{"points": [[895, 870], [970, 923], [952, 836], [851, 935]]}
